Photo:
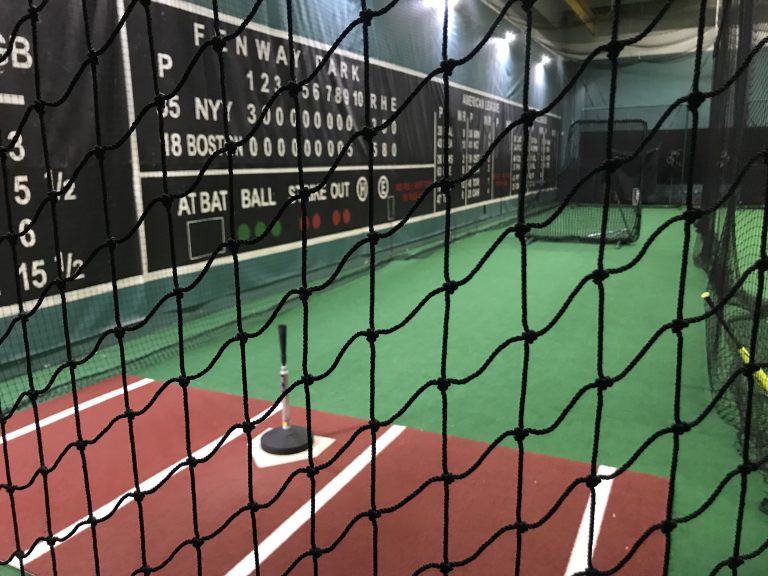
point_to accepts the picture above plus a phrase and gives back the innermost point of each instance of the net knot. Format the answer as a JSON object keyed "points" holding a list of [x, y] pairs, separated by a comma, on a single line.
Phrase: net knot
{"points": [[33, 13], [242, 337], [159, 101], [613, 50], [447, 66], [443, 384], [130, 414], [230, 147], [33, 395], [197, 542], [593, 480], [248, 427], [146, 3], [520, 434], [369, 133], [734, 562], [521, 230], [308, 380], [191, 462], [233, 245], [93, 58], [450, 287], [315, 552], [600, 275], [749, 369], [184, 381], [304, 194], [304, 293], [217, 43], [445, 567], [528, 5], [522, 527], [139, 496], [374, 424], [679, 324], [293, 89], [692, 215], [603, 383], [592, 572], [448, 478], [695, 100], [178, 293], [762, 265], [366, 16], [371, 335], [446, 186], [39, 106], [529, 118], [99, 152], [530, 336], [80, 445], [254, 506], [61, 284], [43, 470], [680, 428], [167, 200], [51, 541], [312, 471], [373, 237], [748, 468], [374, 514], [119, 332], [612, 164]]}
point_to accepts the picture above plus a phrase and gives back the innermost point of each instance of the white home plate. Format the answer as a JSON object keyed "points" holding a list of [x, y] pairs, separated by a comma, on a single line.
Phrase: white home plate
{"points": [[265, 460]]}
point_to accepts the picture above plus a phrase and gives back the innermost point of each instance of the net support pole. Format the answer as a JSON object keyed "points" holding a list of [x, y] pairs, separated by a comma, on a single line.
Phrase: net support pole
{"points": [[286, 439]]}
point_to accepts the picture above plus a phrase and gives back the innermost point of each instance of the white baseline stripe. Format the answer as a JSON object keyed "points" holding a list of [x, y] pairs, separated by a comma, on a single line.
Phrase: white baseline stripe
{"points": [[24, 430], [296, 520], [41, 548], [580, 552], [15, 99]]}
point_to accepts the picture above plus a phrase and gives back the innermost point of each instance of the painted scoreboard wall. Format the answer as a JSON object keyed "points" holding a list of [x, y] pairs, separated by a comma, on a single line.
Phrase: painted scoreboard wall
{"points": [[408, 154]]}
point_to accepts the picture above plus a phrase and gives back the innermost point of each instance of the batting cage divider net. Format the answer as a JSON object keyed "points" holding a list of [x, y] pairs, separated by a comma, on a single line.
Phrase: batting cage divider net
{"points": [[145, 237]]}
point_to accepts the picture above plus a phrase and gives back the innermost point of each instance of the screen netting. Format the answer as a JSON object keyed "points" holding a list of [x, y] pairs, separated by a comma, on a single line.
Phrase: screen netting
{"points": [[733, 234], [598, 198], [580, 185]]}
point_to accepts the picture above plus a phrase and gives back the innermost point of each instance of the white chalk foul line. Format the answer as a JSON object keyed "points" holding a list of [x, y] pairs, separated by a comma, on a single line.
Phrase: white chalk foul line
{"points": [[296, 520], [580, 553], [47, 421], [41, 548]]}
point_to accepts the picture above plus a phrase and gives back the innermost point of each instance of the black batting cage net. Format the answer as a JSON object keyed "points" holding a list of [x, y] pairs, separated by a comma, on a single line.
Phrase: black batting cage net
{"points": [[111, 253], [732, 241], [574, 202]]}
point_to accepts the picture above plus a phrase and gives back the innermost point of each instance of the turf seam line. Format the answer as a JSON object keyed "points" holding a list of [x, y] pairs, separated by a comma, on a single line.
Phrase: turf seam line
{"points": [[41, 548], [580, 553], [58, 416], [301, 516]]}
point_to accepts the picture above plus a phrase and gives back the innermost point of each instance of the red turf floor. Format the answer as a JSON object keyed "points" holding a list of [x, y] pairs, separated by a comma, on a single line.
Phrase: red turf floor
{"points": [[408, 538]]}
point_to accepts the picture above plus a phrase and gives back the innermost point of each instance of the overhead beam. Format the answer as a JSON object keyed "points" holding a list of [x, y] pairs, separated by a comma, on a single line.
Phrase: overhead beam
{"points": [[583, 11]]}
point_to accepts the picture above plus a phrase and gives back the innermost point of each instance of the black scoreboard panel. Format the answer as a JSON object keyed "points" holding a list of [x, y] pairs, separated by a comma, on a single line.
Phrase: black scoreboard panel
{"points": [[408, 154], [69, 134]]}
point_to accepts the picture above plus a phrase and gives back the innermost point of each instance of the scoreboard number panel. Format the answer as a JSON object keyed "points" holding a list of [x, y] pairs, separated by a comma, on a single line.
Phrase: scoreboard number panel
{"points": [[69, 135], [408, 154]]}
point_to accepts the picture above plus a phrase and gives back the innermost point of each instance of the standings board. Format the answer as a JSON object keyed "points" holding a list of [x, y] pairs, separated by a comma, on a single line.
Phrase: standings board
{"points": [[407, 156]]}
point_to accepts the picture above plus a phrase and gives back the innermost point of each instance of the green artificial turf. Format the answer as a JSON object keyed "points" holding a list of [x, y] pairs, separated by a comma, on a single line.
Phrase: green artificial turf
{"points": [[483, 314], [487, 311]]}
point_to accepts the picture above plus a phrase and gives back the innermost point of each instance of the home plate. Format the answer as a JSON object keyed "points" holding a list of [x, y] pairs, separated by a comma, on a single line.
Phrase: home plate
{"points": [[264, 459]]}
